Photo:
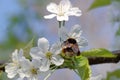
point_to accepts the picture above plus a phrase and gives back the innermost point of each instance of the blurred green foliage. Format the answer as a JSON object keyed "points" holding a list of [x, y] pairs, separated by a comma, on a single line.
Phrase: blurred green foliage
{"points": [[102, 3], [19, 30], [99, 3], [13, 41]]}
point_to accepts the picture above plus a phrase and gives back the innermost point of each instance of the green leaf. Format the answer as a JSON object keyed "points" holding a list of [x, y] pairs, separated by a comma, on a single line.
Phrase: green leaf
{"points": [[3, 76], [27, 49], [100, 52], [99, 3], [83, 68]]}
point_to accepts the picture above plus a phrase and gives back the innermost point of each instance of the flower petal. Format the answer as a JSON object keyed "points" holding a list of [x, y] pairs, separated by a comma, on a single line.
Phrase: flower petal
{"points": [[16, 56], [75, 31], [43, 44], [21, 74], [98, 77], [82, 42], [53, 8], [45, 65], [11, 69], [36, 53], [50, 16], [57, 60], [74, 12], [62, 18], [64, 5], [56, 48], [36, 63], [25, 63], [63, 33]]}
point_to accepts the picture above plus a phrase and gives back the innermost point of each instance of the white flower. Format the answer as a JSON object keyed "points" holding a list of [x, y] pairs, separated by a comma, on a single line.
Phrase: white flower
{"points": [[62, 11], [12, 68], [98, 77], [30, 69], [46, 54], [75, 33]]}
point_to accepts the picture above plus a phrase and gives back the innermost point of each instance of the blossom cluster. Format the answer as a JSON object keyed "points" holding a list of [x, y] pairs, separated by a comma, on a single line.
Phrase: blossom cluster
{"points": [[41, 60], [45, 57], [42, 56]]}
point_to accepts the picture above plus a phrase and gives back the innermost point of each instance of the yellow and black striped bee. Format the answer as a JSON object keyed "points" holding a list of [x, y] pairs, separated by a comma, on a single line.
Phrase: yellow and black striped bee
{"points": [[70, 47]]}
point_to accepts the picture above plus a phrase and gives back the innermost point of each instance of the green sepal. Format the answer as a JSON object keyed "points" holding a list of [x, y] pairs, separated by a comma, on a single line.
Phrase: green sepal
{"points": [[100, 52], [79, 64], [69, 63], [3, 76], [27, 48]]}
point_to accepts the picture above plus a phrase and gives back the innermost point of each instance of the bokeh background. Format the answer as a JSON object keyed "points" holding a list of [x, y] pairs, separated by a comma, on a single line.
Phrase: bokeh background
{"points": [[21, 20]]}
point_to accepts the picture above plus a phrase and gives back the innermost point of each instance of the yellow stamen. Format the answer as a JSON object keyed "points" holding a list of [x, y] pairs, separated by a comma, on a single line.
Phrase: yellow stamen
{"points": [[48, 55], [34, 71]]}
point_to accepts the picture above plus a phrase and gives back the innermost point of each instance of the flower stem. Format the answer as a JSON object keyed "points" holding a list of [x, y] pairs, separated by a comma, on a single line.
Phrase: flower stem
{"points": [[61, 24], [46, 78]]}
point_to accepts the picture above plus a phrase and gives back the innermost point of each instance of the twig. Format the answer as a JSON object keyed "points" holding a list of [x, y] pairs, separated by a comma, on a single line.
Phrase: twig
{"points": [[100, 60], [92, 60]]}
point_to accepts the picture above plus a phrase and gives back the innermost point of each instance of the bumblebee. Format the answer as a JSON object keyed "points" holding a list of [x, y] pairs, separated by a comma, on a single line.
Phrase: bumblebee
{"points": [[70, 47]]}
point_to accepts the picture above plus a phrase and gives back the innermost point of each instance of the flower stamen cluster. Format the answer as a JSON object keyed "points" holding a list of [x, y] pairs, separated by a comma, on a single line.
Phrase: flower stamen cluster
{"points": [[49, 55]]}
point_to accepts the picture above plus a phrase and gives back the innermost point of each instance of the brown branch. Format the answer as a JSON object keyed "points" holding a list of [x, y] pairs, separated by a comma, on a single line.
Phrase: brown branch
{"points": [[2, 67], [100, 60], [93, 61]]}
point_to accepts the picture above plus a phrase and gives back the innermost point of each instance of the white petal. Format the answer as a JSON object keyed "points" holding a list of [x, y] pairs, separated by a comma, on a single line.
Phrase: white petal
{"points": [[82, 42], [63, 33], [16, 56], [20, 55], [66, 18], [21, 74], [25, 64], [36, 53], [57, 60], [64, 5], [74, 12], [75, 31], [60, 18], [36, 63], [11, 70], [43, 44], [98, 77], [50, 16], [56, 48], [45, 65], [52, 7]]}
